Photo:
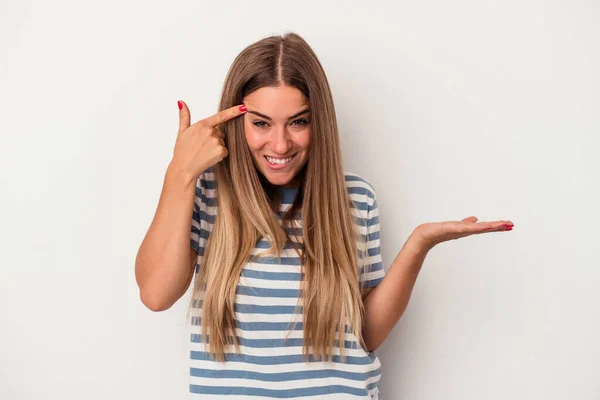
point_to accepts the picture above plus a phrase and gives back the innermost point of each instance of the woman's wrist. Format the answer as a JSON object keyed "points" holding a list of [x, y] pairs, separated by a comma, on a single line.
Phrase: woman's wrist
{"points": [[178, 176]]}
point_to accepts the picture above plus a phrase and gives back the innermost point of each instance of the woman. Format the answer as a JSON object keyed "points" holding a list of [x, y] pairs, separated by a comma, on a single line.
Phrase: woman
{"points": [[285, 253]]}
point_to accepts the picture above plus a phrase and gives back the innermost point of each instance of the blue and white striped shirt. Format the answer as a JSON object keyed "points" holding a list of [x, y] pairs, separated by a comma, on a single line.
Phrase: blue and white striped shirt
{"points": [[266, 296]]}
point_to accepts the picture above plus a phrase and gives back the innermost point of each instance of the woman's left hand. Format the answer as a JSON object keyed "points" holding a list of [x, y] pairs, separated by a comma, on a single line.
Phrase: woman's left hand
{"points": [[434, 233]]}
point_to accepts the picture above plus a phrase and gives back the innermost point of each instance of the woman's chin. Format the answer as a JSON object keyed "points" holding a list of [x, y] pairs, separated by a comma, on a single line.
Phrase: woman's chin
{"points": [[285, 178], [279, 181]]}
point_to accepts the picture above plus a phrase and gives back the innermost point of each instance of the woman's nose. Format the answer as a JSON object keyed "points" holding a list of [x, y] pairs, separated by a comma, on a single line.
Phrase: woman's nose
{"points": [[281, 142]]}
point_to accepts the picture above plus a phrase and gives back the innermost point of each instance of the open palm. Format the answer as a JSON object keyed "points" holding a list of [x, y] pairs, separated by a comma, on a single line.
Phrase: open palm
{"points": [[434, 233]]}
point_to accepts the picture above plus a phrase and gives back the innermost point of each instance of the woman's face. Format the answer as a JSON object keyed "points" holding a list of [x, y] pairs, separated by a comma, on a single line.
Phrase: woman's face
{"points": [[277, 130]]}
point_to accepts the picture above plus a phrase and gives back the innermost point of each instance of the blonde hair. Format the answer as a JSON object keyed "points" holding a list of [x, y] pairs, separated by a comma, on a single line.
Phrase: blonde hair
{"points": [[330, 294]]}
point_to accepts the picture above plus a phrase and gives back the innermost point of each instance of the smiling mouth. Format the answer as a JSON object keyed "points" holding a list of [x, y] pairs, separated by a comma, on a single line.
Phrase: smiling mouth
{"points": [[279, 161]]}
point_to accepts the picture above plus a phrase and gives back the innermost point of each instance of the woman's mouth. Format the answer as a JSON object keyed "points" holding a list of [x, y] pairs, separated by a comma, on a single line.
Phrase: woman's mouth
{"points": [[278, 163]]}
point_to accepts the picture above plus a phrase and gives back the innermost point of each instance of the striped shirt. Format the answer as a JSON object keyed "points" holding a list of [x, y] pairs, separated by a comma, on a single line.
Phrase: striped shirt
{"points": [[266, 296]]}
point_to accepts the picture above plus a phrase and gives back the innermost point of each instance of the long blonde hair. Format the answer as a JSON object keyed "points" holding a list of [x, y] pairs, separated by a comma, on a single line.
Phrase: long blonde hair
{"points": [[330, 294]]}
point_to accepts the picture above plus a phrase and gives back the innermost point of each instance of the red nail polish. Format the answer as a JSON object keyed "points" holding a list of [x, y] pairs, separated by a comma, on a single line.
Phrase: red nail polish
{"points": [[487, 229], [179, 105], [243, 108]]}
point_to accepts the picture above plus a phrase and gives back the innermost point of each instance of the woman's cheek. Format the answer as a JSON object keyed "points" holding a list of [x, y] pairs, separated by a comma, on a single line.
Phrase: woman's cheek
{"points": [[254, 138], [305, 138]]}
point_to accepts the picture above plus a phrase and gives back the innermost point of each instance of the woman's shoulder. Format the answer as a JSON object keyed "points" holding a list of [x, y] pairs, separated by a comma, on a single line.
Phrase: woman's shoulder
{"points": [[358, 186], [208, 175], [206, 180], [206, 191]]}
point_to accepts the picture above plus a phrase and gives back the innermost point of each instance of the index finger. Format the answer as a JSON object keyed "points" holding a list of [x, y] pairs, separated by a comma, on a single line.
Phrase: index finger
{"points": [[225, 115]]}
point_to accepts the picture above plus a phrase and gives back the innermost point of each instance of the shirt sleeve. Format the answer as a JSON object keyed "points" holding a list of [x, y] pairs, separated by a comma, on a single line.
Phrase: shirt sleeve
{"points": [[202, 217], [372, 272], [196, 222]]}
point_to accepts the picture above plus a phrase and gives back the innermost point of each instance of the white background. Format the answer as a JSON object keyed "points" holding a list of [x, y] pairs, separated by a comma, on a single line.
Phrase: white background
{"points": [[450, 109]]}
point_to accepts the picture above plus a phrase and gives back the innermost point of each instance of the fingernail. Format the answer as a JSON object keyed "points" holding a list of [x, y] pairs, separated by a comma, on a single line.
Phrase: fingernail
{"points": [[179, 105], [243, 108], [487, 229], [508, 229]]}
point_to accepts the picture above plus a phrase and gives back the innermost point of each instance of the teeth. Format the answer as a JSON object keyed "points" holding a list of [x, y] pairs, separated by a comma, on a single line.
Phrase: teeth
{"points": [[279, 161]]}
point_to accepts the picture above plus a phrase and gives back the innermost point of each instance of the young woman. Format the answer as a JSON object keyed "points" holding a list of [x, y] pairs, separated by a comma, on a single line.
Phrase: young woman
{"points": [[289, 298]]}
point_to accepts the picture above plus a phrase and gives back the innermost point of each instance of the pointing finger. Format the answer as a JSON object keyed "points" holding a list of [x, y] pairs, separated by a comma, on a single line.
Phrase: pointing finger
{"points": [[225, 115]]}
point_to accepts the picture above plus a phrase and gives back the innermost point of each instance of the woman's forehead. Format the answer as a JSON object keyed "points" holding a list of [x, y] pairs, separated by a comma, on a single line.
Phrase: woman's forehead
{"points": [[276, 102]]}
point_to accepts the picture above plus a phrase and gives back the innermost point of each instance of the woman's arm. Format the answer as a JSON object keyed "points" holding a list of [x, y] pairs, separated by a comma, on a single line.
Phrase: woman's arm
{"points": [[165, 262], [386, 303]]}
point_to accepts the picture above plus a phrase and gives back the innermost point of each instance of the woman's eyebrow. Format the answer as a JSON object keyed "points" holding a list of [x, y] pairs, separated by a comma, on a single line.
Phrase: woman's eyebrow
{"points": [[270, 119]]}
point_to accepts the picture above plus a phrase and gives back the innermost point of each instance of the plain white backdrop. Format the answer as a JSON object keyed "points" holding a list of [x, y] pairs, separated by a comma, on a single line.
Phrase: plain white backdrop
{"points": [[449, 109]]}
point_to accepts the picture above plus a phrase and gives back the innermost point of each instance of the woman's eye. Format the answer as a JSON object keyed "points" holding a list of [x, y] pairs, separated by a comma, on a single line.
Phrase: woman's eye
{"points": [[260, 124], [296, 123], [300, 122]]}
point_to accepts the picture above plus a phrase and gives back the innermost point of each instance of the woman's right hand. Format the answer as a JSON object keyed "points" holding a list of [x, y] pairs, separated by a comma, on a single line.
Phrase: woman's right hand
{"points": [[201, 145]]}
